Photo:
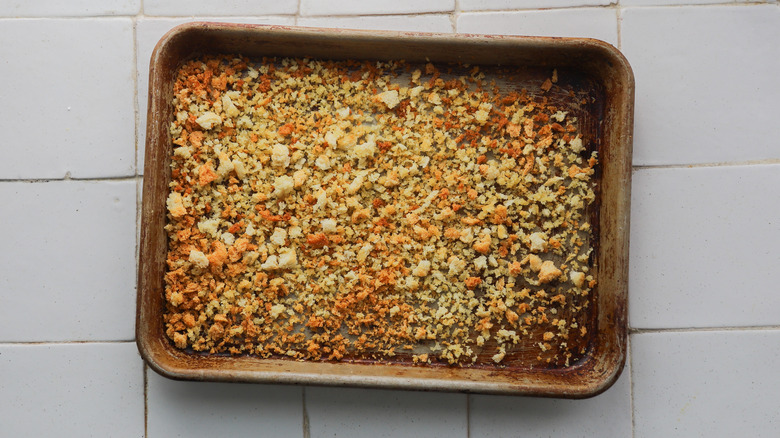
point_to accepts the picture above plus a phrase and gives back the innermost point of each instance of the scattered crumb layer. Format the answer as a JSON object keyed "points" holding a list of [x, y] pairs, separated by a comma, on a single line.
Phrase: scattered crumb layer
{"points": [[359, 210]]}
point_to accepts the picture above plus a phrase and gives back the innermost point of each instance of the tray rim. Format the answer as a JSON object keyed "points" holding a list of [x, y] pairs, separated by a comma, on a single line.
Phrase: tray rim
{"points": [[588, 378]]}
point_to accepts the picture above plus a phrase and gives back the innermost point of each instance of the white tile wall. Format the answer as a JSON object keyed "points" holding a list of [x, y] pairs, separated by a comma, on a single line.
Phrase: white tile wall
{"points": [[485, 5], [71, 390], [68, 91], [703, 237], [599, 23], [71, 8], [350, 413], [191, 409], [713, 383], [704, 247], [707, 87], [674, 2], [606, 415], [68, 261], [418, 23], [188, 8], [376, 7]]}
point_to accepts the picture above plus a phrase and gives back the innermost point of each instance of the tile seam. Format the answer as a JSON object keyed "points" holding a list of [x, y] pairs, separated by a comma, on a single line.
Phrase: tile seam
{"points": [[146, 400], [611, 5], [395, 14], [688, 5], [631, 387], [208, 16], [715, 164], [136, 109], [138, 191], [619, 17], [68, 178], [559, 8], [32, 343], [305, 413], [764, 162], [379, 14], [709, 329], [68, 17], [454, 16], [468, 415]]}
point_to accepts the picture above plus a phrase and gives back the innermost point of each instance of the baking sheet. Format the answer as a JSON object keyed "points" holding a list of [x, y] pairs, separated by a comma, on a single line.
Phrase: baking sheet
{"points": [[602, 85]]}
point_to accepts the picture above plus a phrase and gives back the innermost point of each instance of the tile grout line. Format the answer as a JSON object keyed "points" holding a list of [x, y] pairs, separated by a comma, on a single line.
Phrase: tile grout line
{"points": [[67, 177], [168, 17], [558, 8], [631, 385], [136, 109], [764, 162], [305, 413], [211, 17], [619, 4], [454, 14], [756, 328], [67, 17], [632, 331], [468, 415], [146, 400], [31, 343], [378, 14], [619, 16], [138, 192]]}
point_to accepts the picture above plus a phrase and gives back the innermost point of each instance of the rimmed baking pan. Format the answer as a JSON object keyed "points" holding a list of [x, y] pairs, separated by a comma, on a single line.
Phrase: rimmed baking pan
{"points": [[586, 80]]}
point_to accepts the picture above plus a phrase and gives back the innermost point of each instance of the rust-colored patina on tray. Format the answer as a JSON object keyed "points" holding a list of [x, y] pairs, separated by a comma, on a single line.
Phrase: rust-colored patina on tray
{"points": [[596, 85]]}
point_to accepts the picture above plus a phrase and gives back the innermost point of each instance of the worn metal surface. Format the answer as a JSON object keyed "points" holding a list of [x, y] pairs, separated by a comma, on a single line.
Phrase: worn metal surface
{"points": [[613, 91]]}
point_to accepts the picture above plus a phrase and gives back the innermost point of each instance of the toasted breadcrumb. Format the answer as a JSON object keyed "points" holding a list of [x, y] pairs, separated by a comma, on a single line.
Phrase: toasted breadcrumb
{"points": [[176, 205], [339, 210], [548, 272], [198, 259], [390, 98], [208, 120]]}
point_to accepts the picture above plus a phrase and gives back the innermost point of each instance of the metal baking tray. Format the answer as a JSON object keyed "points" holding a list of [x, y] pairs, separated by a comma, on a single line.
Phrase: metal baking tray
{"points": [[608, 84]]}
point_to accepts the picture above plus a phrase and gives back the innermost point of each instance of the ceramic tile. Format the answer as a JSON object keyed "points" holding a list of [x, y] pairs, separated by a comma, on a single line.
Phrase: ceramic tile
{"points": [[190, 8], [704, 247], [72, 8], [361, 7], [347, 412], [68, 87], [69, 261], [180, 408], [599, 23], [674, 2], [415, 23], [148, 32], [606, 415], [719, 383], [485, 5], [706, 83], [71, 390]]}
